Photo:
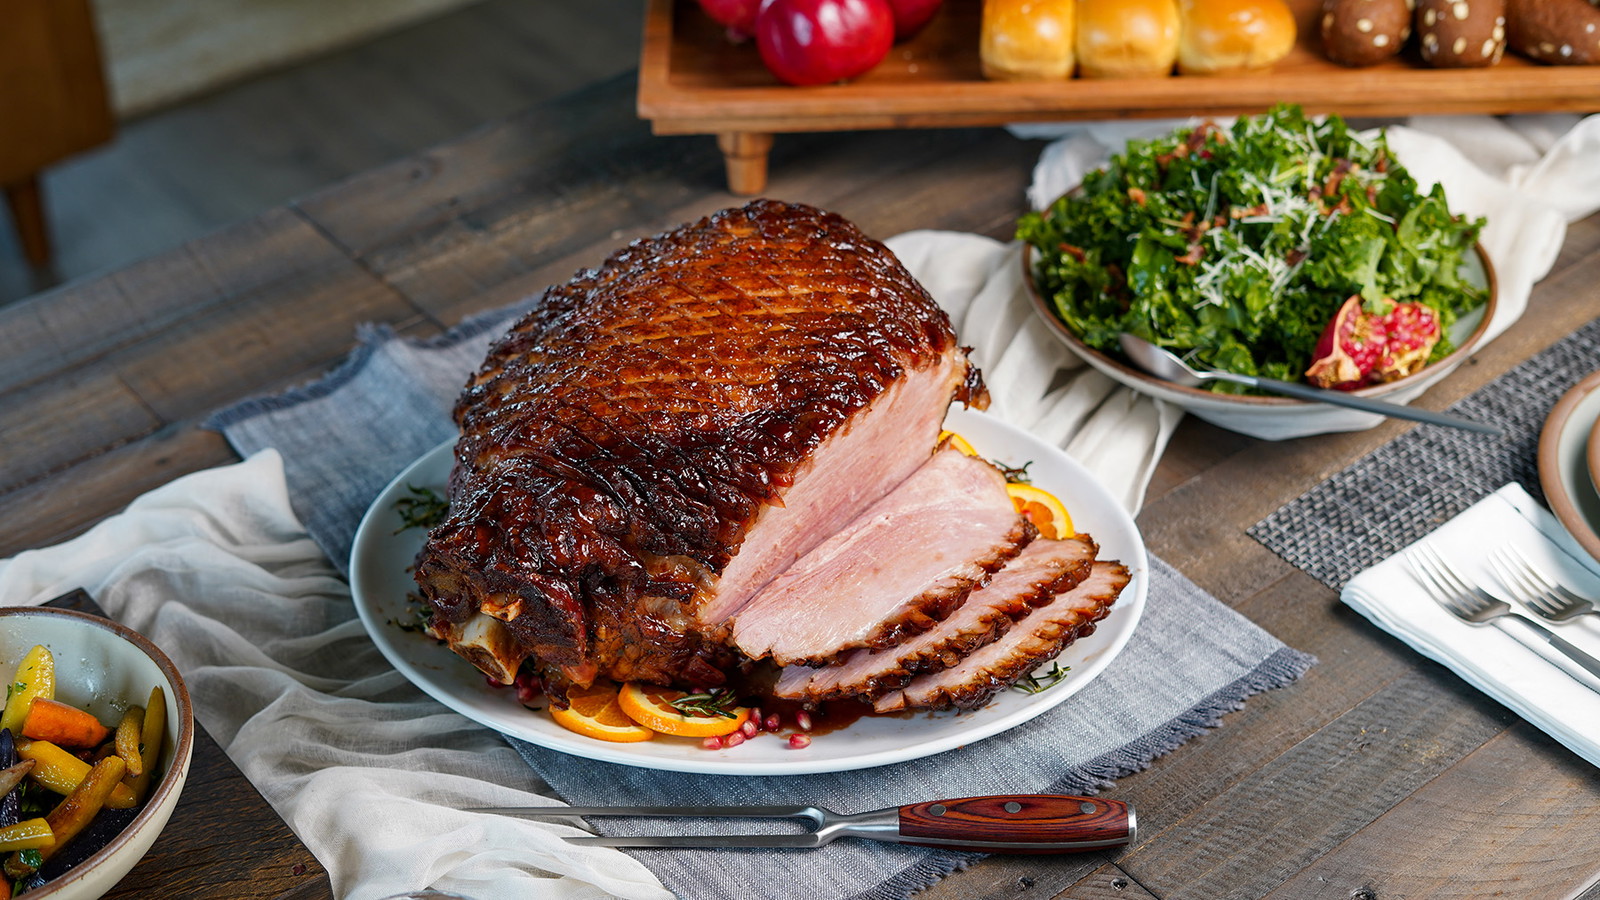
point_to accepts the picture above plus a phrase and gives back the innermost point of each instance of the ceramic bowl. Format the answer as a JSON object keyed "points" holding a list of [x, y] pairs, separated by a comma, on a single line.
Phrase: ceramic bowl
{"points": [[104, 667], [1281, 418]]}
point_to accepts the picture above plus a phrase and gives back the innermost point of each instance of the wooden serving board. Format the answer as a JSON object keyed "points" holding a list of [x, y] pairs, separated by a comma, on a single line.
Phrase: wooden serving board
{"points": [[693, 80]]}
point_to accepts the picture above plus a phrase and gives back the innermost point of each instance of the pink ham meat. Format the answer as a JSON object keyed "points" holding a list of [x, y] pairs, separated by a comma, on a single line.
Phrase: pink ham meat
{"points": [[1041, 635], [1042, 570], [895, 570]]}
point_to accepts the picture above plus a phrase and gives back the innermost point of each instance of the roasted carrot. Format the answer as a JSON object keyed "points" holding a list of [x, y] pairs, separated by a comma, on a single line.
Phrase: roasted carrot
{"points": [[129, 731], [75, 813], [150, 738], [62, 772], [63, 725], [36, 677]]}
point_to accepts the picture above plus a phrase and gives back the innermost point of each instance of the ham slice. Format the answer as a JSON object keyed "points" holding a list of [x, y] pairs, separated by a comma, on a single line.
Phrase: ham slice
{"points": [[1041, 635], [895, 570], [1042, 570]]}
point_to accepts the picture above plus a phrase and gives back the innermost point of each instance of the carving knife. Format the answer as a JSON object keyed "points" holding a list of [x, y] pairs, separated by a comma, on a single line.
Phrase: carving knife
{"points": [[1006, 823]]}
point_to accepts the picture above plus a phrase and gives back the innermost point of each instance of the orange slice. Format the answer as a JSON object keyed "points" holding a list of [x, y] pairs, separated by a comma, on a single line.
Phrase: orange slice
{"points": [[594, 712], [1042, 508], [957, 441], [651, 706]]}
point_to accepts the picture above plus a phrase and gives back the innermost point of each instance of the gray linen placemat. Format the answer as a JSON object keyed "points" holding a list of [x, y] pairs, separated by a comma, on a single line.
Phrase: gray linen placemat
{"points": [[1408, 487], [1190, 660]]}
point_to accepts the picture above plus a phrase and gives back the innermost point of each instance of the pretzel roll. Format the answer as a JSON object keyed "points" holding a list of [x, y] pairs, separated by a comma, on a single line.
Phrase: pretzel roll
{"points": [[1460, 34], [1127, 38], [1365, 32], [1563, 32], [1233, 35], [1025, 40]]}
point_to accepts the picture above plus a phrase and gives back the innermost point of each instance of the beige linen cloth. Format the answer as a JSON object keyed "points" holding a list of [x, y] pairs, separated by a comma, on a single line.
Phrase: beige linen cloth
{"points": [[370, 773]]}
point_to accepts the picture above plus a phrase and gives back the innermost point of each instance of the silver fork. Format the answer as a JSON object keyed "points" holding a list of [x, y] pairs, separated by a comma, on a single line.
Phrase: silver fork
{"points": [[1543, 594], [1475, 606]]}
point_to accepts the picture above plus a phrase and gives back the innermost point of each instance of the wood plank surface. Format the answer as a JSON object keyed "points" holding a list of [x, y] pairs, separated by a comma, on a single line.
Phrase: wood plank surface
{"points": [[1326, 788]]}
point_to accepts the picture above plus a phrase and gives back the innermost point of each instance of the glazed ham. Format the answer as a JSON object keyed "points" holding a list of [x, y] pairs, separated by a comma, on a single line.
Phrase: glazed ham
{"points": [[895, 570], [1043, 569], [715, 461], [1040, 635], [662, 436]]}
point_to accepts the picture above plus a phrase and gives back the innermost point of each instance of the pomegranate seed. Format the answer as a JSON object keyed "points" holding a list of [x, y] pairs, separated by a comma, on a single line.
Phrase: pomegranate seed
{"points": [[711, 743], [773, 722], [733, 740], [802, 720], [755, 715], [749, 729], [799, 741]]}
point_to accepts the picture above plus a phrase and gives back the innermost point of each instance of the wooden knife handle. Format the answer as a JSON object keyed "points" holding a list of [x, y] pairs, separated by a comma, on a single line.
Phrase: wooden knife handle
{"points": [[1019, 823]]}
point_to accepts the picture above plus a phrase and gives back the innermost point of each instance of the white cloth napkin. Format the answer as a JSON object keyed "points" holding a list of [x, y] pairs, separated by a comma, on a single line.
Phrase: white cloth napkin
{"points": [[367, 770], [1488, 658]]}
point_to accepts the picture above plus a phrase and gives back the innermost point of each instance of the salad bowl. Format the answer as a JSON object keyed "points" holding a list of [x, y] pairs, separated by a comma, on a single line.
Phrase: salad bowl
{"points": [[1235, 246], [1279, 418]]}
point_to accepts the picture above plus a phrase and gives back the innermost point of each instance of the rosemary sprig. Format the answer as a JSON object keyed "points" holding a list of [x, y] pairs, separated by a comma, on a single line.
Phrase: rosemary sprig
{"points": [[1018, 474], [710, 703], [1034, 682], [423, 509]]}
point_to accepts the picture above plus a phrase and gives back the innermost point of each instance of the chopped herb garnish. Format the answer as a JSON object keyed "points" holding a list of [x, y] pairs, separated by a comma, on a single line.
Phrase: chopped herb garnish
{"points": [[1036, 682], [417, 618], [423, 509], [30, 858], [1018, 474], [711, 703]]}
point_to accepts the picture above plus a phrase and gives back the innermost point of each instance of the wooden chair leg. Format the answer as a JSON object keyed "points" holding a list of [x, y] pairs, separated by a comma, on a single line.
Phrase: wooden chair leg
{"points": [[26, 200], [744, 153]]}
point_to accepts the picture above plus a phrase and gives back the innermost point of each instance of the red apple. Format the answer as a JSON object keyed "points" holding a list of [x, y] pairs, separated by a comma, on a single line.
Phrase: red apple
{"points": [[911, 15], [738, 16], [823, 41]]}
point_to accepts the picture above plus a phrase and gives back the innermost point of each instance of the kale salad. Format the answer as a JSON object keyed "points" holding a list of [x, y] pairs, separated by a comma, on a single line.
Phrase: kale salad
{"points": [[1236, 246]]}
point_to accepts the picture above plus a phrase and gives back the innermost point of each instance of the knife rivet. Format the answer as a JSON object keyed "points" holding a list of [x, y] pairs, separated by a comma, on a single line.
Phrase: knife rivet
{"points": [[937, 809], [1013, 806], [1086, 808]]}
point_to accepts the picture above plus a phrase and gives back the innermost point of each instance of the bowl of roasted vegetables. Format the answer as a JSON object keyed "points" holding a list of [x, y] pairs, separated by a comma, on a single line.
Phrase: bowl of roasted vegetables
{"points": [[96, 738], [1279, 245]]}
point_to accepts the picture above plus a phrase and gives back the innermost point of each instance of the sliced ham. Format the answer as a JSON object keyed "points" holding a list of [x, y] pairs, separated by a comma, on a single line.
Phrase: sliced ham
{"points": [[895, 570], [1040, 635], [1042, 570]]}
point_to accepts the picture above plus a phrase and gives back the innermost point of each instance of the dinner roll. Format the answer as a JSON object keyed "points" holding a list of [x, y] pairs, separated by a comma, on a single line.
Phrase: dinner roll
{"points": [[1457, 34], [1028, 39], [1127, 38], [1564, 32], [1231, 35], [1364, 32]]}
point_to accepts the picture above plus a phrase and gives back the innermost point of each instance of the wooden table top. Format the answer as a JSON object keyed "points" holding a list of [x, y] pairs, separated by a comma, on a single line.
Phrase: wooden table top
{"points": [[1379, 774]]}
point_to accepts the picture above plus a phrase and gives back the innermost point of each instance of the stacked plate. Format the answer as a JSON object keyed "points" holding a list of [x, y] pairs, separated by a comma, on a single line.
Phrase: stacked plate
{"points": [[1569, 462]]}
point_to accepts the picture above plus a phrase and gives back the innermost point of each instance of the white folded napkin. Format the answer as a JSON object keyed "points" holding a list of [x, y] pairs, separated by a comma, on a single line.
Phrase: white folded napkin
{"points": [[1485, 656]]}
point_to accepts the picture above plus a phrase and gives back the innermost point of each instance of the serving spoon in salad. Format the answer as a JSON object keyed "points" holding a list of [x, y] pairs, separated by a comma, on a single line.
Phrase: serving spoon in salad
{"points": [[1168, 366]]}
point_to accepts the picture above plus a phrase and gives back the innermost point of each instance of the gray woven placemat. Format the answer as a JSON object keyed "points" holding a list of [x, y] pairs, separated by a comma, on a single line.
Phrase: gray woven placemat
{"points": [[1422, 479]]}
